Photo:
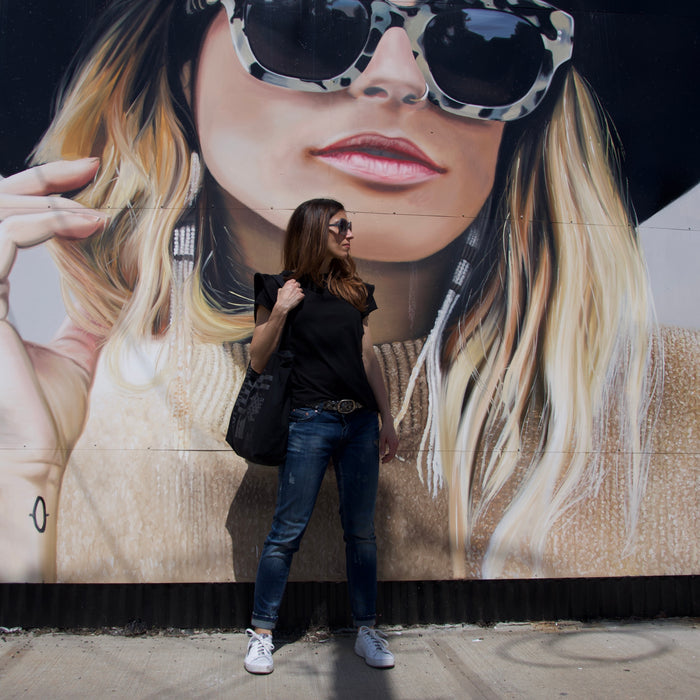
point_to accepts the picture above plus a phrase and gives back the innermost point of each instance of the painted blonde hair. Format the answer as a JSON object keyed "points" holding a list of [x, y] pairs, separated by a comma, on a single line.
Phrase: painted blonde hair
{"points": [[564, 331], [119, 283], [564, 326]]}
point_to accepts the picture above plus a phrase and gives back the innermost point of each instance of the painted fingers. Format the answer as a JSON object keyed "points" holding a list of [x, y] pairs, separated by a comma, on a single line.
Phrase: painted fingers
{"points": [[31, 213]]}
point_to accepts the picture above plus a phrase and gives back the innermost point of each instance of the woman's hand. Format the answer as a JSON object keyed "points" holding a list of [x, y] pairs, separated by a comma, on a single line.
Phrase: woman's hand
{"points": [[289, 296], [388, 440], [43, 390], [269, 324]]}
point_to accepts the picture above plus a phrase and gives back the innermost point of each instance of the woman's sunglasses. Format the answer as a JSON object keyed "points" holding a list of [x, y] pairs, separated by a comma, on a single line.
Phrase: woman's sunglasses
{"points": [[484, 59], [343, 226]]}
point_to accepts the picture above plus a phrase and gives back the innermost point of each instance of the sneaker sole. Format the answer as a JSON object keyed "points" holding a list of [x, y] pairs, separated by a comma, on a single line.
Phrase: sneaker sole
{"points": [[258, 671], [375, 664]]}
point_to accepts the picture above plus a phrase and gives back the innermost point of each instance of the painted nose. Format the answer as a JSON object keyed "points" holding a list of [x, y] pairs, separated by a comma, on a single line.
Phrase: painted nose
{"points": [[392, 73]]}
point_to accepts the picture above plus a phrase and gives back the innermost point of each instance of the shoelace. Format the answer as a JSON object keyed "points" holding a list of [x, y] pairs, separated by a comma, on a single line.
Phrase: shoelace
{"points": [[261, 645], [379, 640]]}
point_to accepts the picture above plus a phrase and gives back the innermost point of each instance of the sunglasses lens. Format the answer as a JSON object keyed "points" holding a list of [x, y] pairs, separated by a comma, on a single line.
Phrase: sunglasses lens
{"points": [[307, 39], [483, 57], [343, 226]]}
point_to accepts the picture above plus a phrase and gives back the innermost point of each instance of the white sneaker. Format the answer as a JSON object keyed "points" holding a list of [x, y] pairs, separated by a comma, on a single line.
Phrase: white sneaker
{"points": [[372, 646], [258, 657]]}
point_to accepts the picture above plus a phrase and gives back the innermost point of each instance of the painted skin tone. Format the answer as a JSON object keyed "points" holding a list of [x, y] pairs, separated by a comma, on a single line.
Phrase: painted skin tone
{"points": [[416, 176], [43, 390]]}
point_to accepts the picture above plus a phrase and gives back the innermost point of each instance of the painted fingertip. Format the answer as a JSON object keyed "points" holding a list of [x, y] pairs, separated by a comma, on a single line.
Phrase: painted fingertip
{"points": [[99, 223], [90, 213], [87, 160]]}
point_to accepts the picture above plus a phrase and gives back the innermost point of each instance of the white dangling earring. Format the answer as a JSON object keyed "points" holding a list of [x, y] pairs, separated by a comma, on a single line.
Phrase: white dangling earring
{"points": [[195, 182], [430, 358]]}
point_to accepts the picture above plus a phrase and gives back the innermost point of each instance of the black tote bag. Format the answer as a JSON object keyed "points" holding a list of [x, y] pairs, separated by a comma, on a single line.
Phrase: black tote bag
{"points": [[259, 424]]}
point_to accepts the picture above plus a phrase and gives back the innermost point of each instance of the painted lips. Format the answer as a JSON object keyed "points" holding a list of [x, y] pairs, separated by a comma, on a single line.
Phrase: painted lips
{"points": [[380, 159]]}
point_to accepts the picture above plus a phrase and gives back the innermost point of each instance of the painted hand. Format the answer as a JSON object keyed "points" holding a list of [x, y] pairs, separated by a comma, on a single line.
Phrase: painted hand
{"points": [[29, 215], [43, 390]]}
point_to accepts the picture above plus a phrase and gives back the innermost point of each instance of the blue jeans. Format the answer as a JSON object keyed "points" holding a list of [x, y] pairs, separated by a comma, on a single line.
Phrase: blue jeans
{"points": [[316, 437]]}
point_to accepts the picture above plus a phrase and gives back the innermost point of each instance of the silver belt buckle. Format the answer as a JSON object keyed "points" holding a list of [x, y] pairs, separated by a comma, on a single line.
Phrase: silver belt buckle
{"points": [[346, 406]]}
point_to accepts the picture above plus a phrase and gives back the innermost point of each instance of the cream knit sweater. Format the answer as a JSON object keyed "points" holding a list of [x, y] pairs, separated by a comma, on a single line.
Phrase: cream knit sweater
{"points": [[154, 494]]}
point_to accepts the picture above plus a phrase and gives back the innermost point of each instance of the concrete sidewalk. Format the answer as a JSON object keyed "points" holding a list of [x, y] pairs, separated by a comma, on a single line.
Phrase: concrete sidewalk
{"points": [[659, 659]]}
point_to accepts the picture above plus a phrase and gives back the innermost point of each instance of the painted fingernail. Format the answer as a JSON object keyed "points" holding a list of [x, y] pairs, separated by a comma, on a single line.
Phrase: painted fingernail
{"points": [[96, 219]]}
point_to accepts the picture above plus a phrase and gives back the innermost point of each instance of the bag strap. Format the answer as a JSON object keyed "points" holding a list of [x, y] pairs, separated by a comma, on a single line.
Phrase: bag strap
{"points": [[280, 280], [287, 329]]}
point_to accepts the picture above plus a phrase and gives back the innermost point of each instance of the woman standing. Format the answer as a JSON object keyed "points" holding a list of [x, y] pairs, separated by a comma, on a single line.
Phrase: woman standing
{"points": [[336, 389]]}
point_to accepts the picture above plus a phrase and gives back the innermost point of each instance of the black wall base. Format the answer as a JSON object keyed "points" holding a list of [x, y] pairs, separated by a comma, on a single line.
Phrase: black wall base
{"points": [[309, 605]]}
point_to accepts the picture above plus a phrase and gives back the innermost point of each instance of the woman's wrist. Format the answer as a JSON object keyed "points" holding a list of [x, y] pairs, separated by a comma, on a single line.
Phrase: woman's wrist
{"points": [[279, 313], [28, 514]]}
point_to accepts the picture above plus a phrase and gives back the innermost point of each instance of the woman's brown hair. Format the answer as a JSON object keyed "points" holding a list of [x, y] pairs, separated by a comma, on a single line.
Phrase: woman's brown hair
{"points": [[305, 247]]}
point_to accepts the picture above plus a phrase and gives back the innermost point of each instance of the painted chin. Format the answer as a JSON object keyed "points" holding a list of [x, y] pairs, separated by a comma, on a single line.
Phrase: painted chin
{"points": [[380, 160]]}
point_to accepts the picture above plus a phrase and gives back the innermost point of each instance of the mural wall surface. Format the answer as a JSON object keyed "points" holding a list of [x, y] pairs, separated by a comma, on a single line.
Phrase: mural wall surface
{"points": [[540, 346]]}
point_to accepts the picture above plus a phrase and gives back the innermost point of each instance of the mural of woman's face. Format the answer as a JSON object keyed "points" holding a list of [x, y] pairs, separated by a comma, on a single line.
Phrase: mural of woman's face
{"points": [[412, 175]]}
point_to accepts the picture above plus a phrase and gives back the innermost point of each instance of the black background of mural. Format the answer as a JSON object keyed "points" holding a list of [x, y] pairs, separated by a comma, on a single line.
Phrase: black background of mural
{"points": [[640, 56]]}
